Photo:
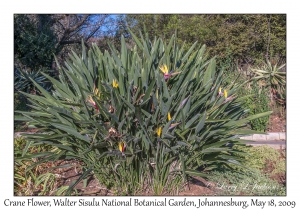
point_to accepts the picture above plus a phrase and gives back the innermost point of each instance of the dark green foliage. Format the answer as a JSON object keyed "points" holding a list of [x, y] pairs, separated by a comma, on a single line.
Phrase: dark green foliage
{"points": [[20, 102], [34, 41], [249, 37], [23, 80]]}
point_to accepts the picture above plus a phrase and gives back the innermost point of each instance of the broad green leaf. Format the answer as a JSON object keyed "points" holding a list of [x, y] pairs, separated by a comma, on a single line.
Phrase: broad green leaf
{"points": [[201, 123], [71, 130], [195, 173]]}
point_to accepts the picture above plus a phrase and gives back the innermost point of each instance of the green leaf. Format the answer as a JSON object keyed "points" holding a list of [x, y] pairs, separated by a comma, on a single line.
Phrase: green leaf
{"points": [[247, 119], [185, 57], [28, 144], [71, 130], [135, 39], [212, 150], [195, 173], [37, 155], [181, 143], [201, 123], [20, 118], [128, 104], [83, 176], [191, 121]]}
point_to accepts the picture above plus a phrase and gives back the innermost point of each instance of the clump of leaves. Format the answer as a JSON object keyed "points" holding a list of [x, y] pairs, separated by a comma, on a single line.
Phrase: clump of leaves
{"points": [[23, 77], [141, 116]]}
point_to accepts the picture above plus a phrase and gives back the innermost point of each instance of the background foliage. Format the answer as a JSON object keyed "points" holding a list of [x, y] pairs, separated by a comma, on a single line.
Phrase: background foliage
{"points": [[250, 38]]}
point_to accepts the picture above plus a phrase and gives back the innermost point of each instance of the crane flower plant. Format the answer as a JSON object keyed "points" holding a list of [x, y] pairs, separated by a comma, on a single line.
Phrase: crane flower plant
{"points": [[132, 116]]}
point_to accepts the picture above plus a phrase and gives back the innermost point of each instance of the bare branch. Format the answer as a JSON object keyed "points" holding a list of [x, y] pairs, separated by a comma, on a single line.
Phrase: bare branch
{"points": [[70, 42], [56, 19], [78, 24], [96, 28]]}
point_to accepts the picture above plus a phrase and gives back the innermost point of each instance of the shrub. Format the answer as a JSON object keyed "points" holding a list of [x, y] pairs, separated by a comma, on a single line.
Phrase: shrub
{"points": [[34, 44], [140, 117], [257, 103], [20, 103], [23, 77]]}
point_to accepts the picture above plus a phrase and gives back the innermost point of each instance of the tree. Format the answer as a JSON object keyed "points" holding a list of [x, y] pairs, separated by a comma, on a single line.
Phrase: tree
{"points": [[38, 37], [246, 38], [34, 42]]}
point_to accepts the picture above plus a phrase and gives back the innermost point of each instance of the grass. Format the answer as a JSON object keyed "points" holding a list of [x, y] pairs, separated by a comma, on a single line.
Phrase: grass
{"points": [[265, 177], [259, 156], [36, 181], [251, 183]]}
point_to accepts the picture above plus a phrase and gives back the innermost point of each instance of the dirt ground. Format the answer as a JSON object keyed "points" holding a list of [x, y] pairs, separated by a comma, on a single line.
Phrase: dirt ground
{"points": [[277, 124], [197, 186]]}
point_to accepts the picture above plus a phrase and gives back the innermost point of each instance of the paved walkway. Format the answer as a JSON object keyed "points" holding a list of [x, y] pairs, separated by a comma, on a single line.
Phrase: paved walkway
{"points": [[266, 137], [275, 139]]}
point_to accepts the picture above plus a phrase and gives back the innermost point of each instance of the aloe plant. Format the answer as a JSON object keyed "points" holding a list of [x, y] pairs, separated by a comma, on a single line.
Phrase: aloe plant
{"points": [[275, 78], [131, 114], [22, 80]]}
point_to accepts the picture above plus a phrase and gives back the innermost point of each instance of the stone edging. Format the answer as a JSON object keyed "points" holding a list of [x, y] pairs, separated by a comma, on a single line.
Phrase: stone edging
{"points": [[266, 137]]}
